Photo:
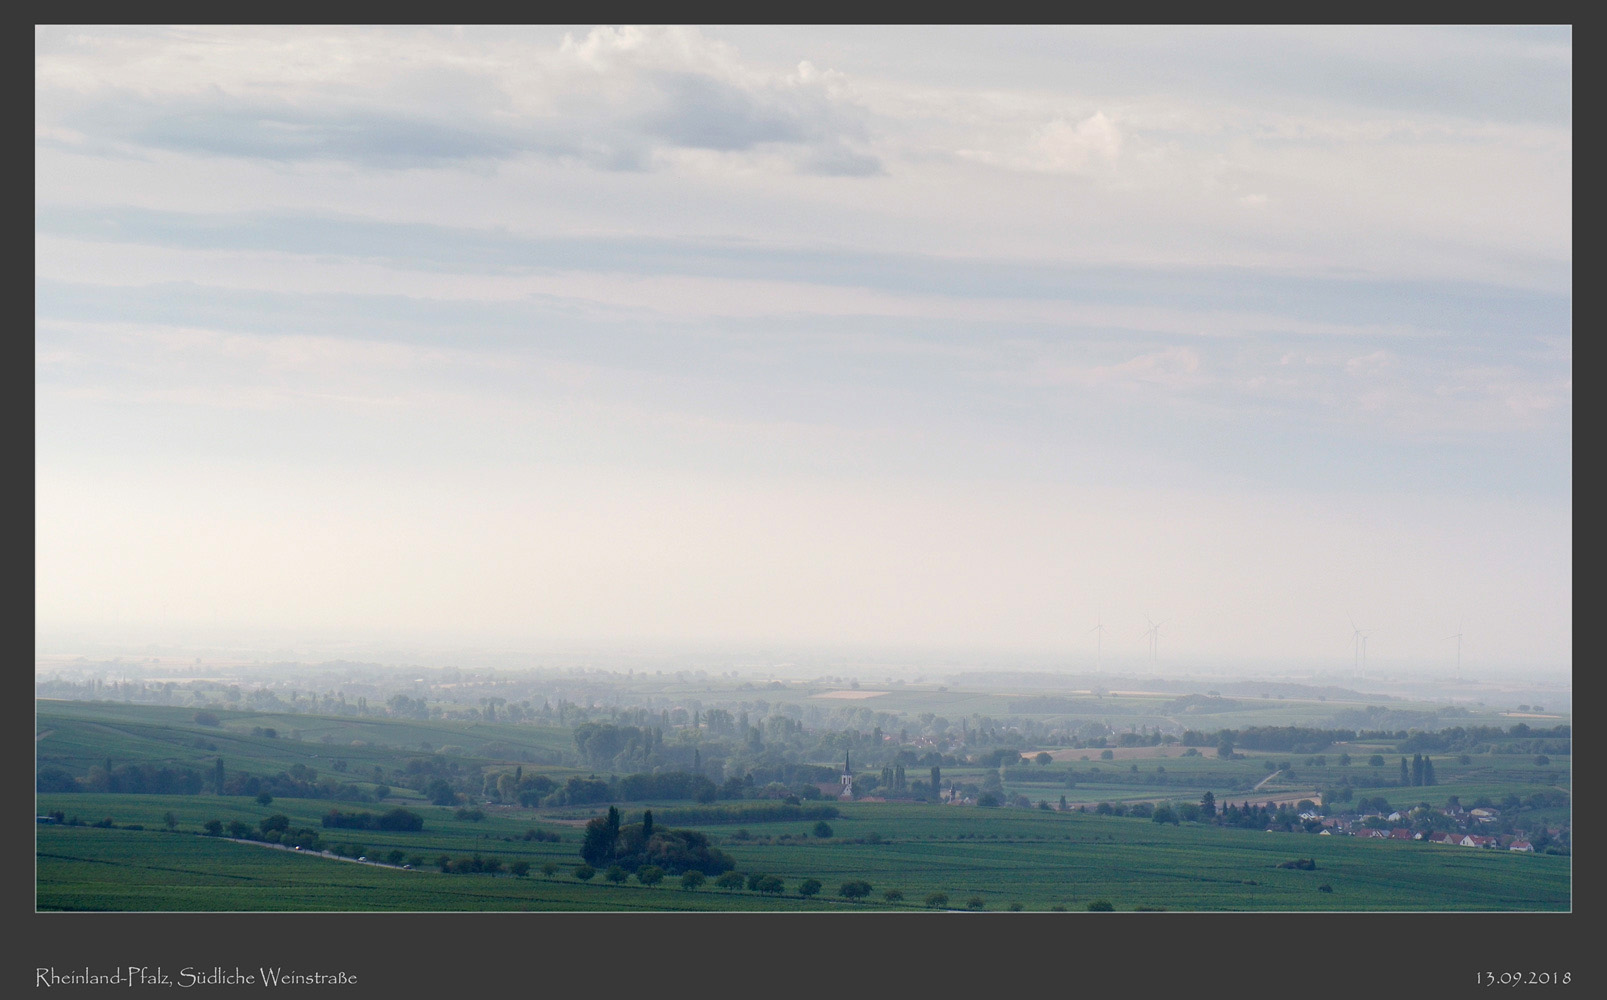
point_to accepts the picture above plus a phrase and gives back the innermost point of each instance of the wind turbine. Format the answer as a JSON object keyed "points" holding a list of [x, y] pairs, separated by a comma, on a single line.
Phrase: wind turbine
{"points": [[1458, 637], [1154, 633], [1099, 638], [1355, 643]]}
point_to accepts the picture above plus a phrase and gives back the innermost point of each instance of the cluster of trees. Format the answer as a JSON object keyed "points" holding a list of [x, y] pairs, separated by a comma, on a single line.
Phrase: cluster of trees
{"points": [[608, 842], [139, 779], [399, 820], [1292, 739], [477, 865], [274, 829]]}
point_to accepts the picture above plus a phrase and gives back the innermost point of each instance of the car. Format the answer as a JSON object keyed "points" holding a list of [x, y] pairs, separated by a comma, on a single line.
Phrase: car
{"points": [[362, 859], [407, 868], [298, 847]]}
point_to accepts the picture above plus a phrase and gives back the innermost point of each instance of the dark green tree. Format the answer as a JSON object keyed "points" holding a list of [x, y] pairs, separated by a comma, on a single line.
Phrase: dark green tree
{"points": [[650, 875], [937, 900], [1406, 777], [1208, 805], [854, 889], [809, 887], [692, 879]]}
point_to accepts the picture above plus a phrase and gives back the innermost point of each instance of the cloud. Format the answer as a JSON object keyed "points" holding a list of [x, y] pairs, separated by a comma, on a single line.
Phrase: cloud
{"points": [[613, 100], [1060, 146]]}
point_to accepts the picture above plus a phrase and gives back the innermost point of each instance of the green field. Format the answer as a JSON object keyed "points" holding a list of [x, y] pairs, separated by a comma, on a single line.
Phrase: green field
{"points": [[1003, 857], [1037, 859]]}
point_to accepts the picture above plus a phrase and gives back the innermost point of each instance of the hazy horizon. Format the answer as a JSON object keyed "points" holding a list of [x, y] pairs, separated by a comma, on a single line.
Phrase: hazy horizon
{"points": [[948, 339]]}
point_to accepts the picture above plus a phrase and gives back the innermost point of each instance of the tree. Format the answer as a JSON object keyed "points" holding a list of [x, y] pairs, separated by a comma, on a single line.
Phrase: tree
{"points": [[822, 829], [170, 821], [730, 880], [1208, 804], [1376, 760], [650, 875], [854, 889], [1164, 814], [1406, 777], [1101, 906], [809, 887], [264, 799], [213, 827], [937, 900], [976, 903], [519, 868], [616, 874], [692, 879], [772, 885], [584, 872], [217, 776], [549, 869], [893, 896], [1043, 757], [647, 824]]}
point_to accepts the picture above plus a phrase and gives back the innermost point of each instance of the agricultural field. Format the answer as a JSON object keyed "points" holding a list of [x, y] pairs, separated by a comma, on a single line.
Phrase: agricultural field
{"points": [[117, 850], [1033, 859]]}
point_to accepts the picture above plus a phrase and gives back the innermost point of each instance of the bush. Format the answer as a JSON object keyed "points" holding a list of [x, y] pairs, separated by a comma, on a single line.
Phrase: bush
{"points": [[1016, 907], [822, 829], [937, 900], [549, 869], [976, 903], [584, 872], [1101, 906], [892, 895]]}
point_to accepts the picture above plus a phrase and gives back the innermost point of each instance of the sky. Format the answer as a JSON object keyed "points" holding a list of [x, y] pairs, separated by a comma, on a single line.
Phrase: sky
{"points": [[1009, 339]]}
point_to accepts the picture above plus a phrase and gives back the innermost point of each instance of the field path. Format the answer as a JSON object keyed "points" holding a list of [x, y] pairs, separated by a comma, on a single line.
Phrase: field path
{"points": [[317, 854]]}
